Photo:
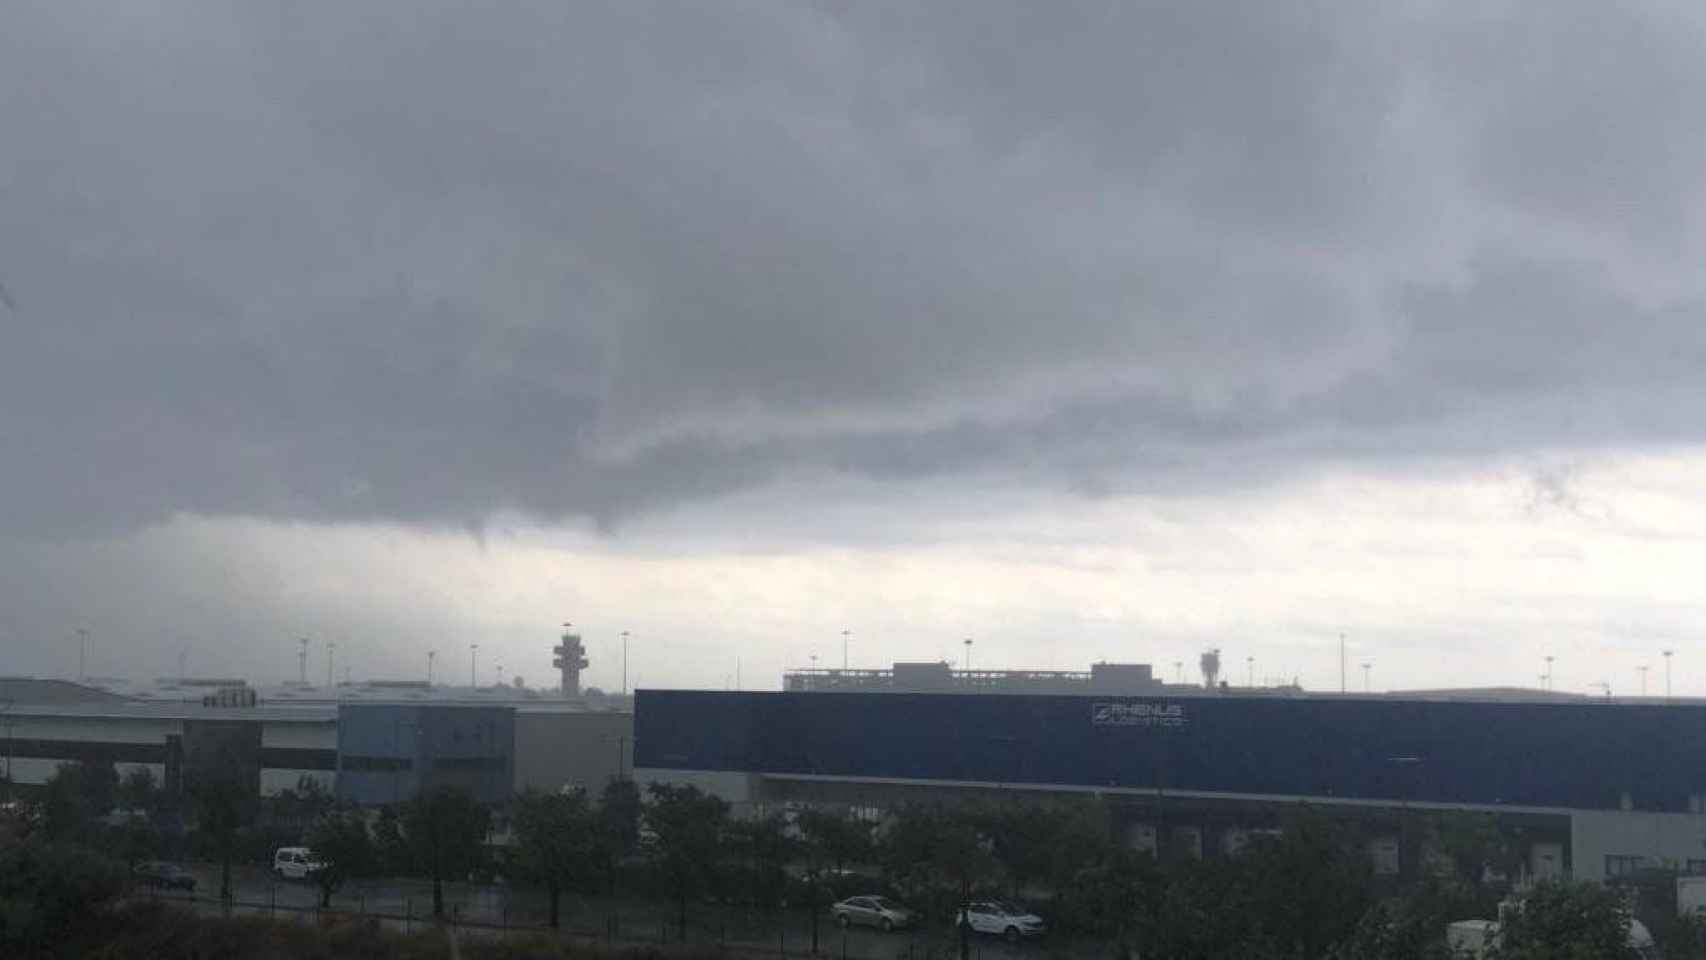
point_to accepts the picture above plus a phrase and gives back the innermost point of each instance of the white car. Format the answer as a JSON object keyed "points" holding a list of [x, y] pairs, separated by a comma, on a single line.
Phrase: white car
{"points": [[1002, 919], [295, 863]]}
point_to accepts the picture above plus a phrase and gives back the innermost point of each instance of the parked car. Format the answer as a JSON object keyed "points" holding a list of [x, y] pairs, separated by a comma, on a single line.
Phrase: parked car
{"points": [[165, 876], [295, 863], [872, 911], [1002, 919]]}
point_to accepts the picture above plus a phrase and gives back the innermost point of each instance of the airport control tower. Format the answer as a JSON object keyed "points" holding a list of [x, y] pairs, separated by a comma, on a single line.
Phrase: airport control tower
{"points": [[571, 660]]}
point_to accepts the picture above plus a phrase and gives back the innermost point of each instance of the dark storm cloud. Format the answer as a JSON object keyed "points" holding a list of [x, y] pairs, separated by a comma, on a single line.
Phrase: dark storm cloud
{"points": [[429, 261]]}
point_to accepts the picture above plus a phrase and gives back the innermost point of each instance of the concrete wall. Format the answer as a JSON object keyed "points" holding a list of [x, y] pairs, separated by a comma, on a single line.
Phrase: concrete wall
{"points": [[554, 750], [1661, 839]]}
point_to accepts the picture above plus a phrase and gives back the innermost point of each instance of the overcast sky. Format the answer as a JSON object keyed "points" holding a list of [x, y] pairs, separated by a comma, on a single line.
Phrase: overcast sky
{"points": [[1090, 331]]}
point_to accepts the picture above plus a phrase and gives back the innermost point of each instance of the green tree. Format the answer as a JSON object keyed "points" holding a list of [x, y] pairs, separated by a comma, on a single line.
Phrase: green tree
{"points": [[136, 839], [1685, 937], [299, 808], [445, 829], [689, 828], [1482, 856], [829, 840], [344, 848], [764, 849], [1036, 843], [939, 855], [75, 797], [1107, 898], [390, 848], [620, 807], [48, 889], [1565, 921], [558, 836], [1412, 926], [1308, 887], [139, 792], [224, 805]]}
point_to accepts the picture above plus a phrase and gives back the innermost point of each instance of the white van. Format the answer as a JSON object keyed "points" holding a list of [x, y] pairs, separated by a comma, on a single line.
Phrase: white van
{"points": [[295, 863]]}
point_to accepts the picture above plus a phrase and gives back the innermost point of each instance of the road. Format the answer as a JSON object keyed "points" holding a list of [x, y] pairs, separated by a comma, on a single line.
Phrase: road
{"points": [[407, 903]]}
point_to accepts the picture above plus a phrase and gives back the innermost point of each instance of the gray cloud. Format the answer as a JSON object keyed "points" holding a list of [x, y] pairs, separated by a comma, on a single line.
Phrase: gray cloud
{"points": [[432, 262]]}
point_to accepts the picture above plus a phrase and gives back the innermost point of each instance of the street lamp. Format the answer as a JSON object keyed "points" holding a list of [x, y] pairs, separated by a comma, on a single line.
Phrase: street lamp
{"points": [[82, 654], [473, 666], [1549, 671], [1250, 672], [1178, 671], [1365, 666], [968, 654], [845, 635], [1404, 764], [431, 656], [6, 708], [397, 752], [1667, 674]]}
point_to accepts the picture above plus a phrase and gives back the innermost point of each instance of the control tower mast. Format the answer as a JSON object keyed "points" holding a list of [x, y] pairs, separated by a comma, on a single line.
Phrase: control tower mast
{"points": [[571, 660]]}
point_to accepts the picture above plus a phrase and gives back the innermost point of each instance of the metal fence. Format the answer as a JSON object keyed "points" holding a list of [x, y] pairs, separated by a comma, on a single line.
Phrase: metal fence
{"points": [[753, 935]]}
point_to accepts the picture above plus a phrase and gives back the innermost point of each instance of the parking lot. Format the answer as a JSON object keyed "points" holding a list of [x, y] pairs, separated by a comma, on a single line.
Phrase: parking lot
{"points": [[482, 909]]}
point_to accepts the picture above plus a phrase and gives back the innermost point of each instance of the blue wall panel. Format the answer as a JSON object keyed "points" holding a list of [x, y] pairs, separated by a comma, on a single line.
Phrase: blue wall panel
{"points": [[388, 753], [1582, 755]]}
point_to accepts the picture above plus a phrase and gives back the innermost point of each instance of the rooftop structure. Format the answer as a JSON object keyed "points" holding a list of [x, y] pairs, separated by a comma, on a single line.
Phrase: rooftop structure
{"points": [[941, 677], [570, 660], [296, 693]]}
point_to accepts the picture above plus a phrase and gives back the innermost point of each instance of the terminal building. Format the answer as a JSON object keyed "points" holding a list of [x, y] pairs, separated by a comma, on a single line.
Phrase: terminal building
{"points": [[1592, 789]]}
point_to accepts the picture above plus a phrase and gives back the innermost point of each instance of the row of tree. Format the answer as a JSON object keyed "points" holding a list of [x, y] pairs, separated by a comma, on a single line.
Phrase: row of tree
{"points": [[1306, 891]]}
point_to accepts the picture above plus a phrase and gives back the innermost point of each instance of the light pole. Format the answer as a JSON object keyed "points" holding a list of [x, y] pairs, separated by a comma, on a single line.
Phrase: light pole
{"points": [[1405, 764], [331, 659], [431, 656], [968, 654], [6, 708], [845, 635], [302, 663], [1365, 666], [1250, 672], [1667, 674], [82, 654], [1549, 671], [397, 753], [1341, 663], [1643, 669], [473, 666], [1178, 671], [624, 663]]}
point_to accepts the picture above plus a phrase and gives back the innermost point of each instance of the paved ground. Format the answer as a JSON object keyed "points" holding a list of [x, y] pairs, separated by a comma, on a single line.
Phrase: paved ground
{"points": [[482, 909]]}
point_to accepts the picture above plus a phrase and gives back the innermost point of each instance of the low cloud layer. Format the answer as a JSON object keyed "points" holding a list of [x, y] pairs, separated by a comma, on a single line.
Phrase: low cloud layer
{"points": [[1096, 330], [423, 262]]}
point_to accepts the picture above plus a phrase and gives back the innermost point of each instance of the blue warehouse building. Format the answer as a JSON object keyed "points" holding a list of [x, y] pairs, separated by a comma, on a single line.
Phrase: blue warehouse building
{"points": [[1596, 788], [389, 752]]}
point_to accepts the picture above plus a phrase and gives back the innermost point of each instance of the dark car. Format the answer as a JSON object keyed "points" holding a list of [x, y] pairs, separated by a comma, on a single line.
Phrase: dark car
{"points": [[164, 876]]}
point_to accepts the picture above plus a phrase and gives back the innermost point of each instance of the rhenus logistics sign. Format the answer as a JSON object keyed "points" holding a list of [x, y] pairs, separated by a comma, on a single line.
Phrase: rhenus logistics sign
{"points": [[1137, 715]]}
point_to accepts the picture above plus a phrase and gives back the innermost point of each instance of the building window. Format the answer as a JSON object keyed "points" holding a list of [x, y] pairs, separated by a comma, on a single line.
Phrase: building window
{"points": [[1620, 866], [1696, 868], [468, 763], [375, 764]]}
